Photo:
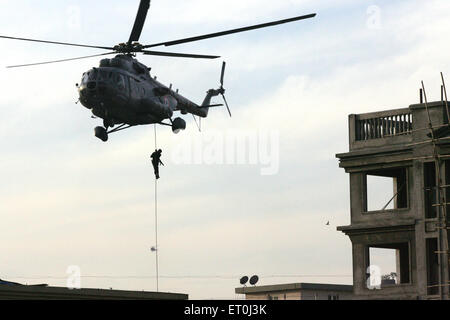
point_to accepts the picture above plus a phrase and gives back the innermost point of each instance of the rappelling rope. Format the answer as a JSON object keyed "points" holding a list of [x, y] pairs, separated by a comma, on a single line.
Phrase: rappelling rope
{"points": [[156, 221]]}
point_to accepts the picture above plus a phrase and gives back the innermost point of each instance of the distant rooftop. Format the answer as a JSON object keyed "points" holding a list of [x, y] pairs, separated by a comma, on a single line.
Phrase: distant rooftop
{"points": [[13, 290], [295, 286], [9, 283]]}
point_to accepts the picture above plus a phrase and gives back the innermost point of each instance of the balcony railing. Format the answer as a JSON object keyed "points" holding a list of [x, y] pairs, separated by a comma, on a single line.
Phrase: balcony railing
{"points": [[383, 124]]}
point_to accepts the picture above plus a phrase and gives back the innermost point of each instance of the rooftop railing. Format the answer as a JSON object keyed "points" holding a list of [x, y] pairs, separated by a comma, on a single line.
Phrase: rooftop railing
{"points": [[382, 124]]}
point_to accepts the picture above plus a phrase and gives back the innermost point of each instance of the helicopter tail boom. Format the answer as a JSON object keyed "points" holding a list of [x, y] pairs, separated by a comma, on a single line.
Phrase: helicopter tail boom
{"points": [[202, 110], [207, 101], [187, 106]]}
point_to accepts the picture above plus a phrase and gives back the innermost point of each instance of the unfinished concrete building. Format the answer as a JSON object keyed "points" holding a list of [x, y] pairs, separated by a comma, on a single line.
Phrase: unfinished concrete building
{"points": [[398, 146]]}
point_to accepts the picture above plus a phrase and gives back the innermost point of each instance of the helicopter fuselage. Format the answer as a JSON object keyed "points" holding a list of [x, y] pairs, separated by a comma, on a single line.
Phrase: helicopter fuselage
{"points": [[121, 90]]}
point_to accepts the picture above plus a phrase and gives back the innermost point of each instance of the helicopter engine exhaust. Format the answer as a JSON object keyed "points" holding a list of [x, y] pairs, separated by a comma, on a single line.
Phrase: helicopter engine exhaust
{"points": [[163, 109]]}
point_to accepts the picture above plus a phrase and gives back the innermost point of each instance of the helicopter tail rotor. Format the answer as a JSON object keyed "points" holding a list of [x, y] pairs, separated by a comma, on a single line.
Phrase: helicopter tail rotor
{"points": [[221, 89]]}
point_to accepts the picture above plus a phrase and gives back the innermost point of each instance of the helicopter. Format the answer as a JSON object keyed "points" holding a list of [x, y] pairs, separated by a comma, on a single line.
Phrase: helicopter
{"points": [[121, 90]]}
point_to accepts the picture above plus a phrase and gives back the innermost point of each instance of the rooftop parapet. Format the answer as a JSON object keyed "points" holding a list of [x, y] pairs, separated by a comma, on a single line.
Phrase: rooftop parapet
{"points": [[380, 128], [397, 126]]}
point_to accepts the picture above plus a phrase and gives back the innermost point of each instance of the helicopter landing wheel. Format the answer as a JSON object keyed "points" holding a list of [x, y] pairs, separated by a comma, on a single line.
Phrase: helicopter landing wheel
{"points": [[178, 124], [101, 133], [108, 123]]}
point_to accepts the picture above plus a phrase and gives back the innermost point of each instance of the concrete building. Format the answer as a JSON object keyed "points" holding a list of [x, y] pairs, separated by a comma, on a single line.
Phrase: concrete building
{"points": [[298, 291], [17, 291], [397, 146]]}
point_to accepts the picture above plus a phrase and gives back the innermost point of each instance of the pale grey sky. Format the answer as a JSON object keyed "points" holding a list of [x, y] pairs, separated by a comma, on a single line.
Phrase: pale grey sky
{"points": [[66, 198]]}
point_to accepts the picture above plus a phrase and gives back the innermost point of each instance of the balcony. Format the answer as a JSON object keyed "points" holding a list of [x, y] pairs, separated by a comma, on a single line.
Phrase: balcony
{"points": [[381, 128]]}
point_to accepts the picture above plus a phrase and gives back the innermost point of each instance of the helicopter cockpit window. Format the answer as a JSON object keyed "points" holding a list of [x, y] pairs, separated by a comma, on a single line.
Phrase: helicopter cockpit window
{"points": [[102, 75], [85, 78], [93, 74]]}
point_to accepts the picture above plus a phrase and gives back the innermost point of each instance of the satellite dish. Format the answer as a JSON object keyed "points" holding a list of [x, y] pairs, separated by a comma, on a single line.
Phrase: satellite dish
{"points": [[243, 280], [254, 280]]}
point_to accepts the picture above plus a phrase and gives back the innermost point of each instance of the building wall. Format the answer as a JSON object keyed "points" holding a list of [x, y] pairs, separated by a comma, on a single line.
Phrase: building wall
{"points": [[326, 295], [301, 295], [293, 295]]}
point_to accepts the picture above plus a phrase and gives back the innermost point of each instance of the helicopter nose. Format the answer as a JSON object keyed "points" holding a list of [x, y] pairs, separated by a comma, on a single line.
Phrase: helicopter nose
{"points": [[89, 91], [94, 89], [90, 94]]}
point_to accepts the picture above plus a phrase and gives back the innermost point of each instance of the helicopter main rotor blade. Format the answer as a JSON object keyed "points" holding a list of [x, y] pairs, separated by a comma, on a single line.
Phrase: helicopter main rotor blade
{"points": [[56, 42], [62, 60], [179, 55], [227, 32], [139, 21]]}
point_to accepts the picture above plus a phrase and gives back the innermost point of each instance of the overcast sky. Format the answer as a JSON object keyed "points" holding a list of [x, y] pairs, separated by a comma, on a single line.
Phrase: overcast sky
{"points": [[67, 198]]}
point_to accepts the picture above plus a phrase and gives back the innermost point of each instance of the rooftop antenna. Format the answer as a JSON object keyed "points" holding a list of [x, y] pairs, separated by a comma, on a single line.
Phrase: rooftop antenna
{"points": [[243, 280], [254, 279], [444, 91]]}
